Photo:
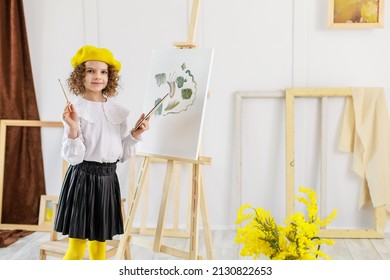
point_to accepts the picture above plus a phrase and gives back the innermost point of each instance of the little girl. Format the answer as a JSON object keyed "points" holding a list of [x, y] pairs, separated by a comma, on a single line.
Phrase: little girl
{"points": [[96, 137]]}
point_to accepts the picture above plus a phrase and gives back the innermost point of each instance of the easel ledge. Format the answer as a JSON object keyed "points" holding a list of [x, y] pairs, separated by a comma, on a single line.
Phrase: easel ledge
{"points": [[190, 43], [201, 159]]}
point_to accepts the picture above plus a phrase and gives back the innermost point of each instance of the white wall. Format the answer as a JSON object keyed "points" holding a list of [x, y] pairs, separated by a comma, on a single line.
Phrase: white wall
{"points": [[261, 45]]}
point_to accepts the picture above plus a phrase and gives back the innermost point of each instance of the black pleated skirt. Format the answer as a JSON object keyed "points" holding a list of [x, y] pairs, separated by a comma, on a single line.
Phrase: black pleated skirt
{"points": [[89, 205]]}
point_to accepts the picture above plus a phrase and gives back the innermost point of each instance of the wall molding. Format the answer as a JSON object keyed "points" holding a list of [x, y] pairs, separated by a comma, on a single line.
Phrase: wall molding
{"points": [[91, 22], [299, 43]]}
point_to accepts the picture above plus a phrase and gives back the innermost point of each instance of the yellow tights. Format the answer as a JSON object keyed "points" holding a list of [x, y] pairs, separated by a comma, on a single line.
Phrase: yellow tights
{"points": [[76, 249]]}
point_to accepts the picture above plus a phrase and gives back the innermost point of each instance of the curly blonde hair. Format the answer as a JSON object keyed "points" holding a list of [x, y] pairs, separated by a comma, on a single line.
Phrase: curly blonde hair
{"points": [[76, 81]]}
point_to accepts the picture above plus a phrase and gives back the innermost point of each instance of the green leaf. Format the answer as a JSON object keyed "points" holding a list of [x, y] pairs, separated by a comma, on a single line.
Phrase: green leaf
{"points": [[186, 93]]}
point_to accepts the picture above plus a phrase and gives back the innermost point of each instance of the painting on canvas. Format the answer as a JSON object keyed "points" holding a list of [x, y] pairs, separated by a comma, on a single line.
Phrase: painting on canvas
{"points": [[176, 127], [356, 13]]}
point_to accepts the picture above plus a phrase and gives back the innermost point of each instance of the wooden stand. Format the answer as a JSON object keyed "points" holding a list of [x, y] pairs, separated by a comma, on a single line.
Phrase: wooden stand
{"points": [[197, 201]]}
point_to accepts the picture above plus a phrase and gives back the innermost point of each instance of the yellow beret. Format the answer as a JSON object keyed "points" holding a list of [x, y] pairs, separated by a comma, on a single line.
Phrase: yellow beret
{"points": [[87, 53]]}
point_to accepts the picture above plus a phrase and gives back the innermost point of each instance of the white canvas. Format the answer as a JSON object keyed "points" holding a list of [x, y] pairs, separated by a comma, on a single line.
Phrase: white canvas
{"points": [[176, 128]]}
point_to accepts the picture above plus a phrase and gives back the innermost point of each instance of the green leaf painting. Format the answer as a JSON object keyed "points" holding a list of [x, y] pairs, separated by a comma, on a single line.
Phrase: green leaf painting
{"points": [[160, 79], [181, 80], [186, 93], [171, 105]]}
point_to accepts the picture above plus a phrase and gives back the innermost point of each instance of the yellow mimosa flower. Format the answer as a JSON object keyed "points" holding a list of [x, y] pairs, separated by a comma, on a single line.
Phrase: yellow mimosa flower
{"points": [[296, 239]]}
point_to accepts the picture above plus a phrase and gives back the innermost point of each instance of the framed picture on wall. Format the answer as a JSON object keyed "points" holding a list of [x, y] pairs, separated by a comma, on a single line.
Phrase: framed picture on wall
{"points": [[355, 14]]}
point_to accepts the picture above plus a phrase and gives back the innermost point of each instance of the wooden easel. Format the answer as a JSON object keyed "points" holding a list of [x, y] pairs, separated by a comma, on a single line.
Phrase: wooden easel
{"points": [[198, 199]]}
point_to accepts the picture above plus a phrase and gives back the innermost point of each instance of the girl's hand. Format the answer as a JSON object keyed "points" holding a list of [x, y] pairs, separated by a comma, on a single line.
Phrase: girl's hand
{"points": [[143, 127], [71, 118]]}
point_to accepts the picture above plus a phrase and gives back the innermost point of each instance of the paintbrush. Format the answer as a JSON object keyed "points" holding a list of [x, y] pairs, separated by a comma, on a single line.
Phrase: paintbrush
{"points": [[154, 109], [63, 91]]}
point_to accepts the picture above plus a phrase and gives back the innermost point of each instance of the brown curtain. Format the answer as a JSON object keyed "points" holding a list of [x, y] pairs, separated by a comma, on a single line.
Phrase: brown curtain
{"points": [[24, 176]]}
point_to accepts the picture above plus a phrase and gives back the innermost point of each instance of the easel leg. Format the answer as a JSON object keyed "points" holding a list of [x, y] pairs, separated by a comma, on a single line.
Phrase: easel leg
{"points": [[176, 196], [163, 207], [205, 220], [125, 240], [194, 235]]}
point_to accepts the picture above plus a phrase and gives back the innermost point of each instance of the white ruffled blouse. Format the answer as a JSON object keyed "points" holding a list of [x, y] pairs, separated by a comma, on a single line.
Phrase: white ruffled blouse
{"points": [[103, 135]]}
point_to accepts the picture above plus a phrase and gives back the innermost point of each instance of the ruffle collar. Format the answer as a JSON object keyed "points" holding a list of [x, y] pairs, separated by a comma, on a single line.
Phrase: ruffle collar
{"points": [[92, 111]]}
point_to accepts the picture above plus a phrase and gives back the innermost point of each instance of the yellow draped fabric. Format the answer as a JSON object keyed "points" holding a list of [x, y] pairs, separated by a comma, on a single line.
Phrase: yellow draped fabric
{"points": [[366, 134]]}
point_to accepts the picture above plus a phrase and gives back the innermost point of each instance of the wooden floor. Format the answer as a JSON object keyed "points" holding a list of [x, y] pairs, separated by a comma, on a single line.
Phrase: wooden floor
{"points": [[27, 248]]}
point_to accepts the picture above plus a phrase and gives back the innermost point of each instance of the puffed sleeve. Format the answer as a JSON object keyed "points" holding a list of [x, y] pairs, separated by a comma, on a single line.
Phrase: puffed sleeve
{"points": [[129, 143], [73, 150]]}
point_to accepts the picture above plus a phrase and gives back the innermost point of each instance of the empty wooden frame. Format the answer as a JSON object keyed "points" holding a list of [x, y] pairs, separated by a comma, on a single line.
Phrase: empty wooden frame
{"points": [[239, 97], [377, 231], [3, 133]]}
